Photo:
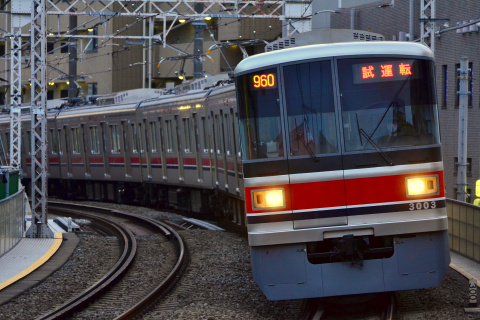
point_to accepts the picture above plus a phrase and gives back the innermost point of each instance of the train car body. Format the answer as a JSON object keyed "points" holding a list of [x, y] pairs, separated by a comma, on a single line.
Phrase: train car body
{"points": [[176, 151], [343, 173]]}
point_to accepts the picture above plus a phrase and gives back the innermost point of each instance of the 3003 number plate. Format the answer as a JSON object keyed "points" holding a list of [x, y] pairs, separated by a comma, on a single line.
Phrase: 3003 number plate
{"points": [[422, 205]]}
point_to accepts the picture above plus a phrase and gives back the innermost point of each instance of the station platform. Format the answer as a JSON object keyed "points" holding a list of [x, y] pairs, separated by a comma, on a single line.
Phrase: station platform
{"points": [[26, 256], [466, 267], [31, 261]]}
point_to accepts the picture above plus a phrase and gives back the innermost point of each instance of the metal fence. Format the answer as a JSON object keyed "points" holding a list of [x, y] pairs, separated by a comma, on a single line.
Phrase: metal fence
{"points": [[11, 220], [464, 228]]}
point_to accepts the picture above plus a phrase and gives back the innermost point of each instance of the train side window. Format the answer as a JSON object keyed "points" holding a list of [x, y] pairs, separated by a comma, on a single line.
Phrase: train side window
{"points": [[134, 139], [310, 108], [75, 141], [53, 141], [7, 135], [206, 144], [153, 134], [187, 134], [115, 138], [169, 136], [94, 143], [29, 141]]}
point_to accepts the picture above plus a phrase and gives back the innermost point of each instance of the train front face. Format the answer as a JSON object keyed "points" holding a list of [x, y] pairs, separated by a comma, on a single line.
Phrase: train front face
{"points": [[344, 187]]}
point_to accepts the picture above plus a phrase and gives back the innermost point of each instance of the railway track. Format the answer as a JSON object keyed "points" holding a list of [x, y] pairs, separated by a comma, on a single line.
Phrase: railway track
{"points": [[124, 292], [360, 307]]}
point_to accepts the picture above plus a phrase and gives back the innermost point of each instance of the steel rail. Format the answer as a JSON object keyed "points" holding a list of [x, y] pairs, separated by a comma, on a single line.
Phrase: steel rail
{"points": [[126, 259], [169, 232]]}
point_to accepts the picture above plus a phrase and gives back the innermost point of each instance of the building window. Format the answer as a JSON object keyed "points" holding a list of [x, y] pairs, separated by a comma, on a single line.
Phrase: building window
{"points": [[92, 44], [50, 95], [64, 47], [469, 166], [92, 89], [444, 86], [94, 143], [64, 93], [50, 47]]}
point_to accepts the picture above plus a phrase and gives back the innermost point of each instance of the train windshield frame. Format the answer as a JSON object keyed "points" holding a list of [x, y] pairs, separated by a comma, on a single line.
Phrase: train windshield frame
{"points": [[387, 109]]}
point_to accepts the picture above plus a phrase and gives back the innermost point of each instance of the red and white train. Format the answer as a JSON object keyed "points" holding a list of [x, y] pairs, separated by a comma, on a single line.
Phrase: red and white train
{"points": [[330, 155], [343, 172]]}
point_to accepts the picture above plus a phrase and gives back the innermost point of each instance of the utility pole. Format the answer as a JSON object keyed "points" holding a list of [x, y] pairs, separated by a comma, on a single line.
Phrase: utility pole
{"points": [[198, 49], [462, 130], [72, 57], [38, 112], [427, 23], [20, 16]]}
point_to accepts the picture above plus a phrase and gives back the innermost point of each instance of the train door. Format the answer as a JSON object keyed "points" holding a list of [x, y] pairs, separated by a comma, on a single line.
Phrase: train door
{"points": [[54, 159], [216, 147], [163, 160], [237, 155], [317, 187], [141, 151], [148, 150], [103, 133], [68, 156], [229, 151], [85, 150], [181, 173], [197, 146], [126, 150], [206, 150]]}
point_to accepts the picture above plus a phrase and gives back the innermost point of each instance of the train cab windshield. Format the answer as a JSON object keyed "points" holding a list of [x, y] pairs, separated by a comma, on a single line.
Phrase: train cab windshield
{"points": [[387, 103]]}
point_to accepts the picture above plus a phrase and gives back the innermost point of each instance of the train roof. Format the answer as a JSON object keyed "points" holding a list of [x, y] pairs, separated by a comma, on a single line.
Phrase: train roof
{"points": [[333, 50]]}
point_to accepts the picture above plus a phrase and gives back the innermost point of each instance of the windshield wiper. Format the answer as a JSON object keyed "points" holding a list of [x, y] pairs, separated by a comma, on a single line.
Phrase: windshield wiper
{"points": [[382, 153], [307, 147], [390, 105]]}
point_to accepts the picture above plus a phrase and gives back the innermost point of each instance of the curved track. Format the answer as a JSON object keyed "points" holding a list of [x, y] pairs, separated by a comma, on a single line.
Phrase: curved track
{"points": [[129, 250]]}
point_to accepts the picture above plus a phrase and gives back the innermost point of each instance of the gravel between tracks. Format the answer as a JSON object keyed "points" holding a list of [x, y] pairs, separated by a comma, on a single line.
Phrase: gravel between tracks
{"points": [[218, 283]]}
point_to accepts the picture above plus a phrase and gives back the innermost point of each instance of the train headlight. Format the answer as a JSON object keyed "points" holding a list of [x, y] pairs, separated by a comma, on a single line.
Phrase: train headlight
{"points": [[268, 199], [422, 186]]}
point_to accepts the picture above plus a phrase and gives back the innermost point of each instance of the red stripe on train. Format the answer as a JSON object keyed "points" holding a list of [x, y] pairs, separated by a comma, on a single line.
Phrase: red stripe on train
{"points": [[359, 191]]}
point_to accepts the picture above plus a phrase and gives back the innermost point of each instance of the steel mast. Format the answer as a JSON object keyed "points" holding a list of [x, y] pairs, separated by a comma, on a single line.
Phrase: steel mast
{"points": [[38, 113]]}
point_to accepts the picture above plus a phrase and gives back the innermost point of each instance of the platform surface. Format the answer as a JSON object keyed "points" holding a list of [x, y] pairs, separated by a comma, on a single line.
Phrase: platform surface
{"points": [[468, 268], [25, 257]]}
